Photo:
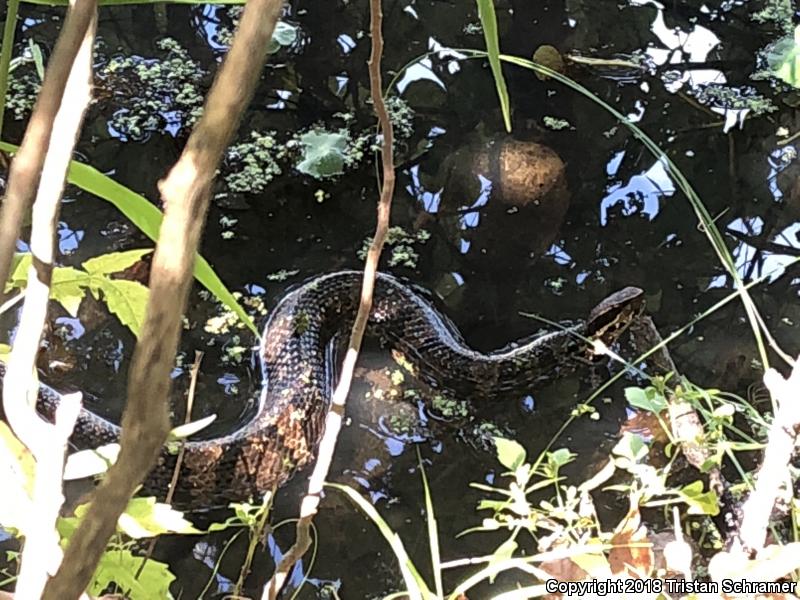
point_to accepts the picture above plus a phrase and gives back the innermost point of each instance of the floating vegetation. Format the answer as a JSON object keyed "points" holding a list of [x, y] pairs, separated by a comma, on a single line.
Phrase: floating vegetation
{"points": [[253, 164], [153, 94], [401, 243]]}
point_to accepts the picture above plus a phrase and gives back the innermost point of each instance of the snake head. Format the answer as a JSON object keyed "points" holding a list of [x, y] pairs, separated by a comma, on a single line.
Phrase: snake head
{"points": [[615, 313]]}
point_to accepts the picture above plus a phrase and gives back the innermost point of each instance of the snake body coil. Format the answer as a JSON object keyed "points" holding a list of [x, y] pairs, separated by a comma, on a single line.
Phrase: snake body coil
{"points": [[298, 360]]}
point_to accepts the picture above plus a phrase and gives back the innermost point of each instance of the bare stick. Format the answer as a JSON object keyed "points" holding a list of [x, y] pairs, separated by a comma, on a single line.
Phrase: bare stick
{"points": [[333, 420], [774, 471], [47, 443], [186, 193], [23, 177]]}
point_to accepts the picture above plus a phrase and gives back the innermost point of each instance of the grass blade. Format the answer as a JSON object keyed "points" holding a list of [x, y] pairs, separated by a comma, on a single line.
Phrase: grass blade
{"points": [[709, 226], [489, 24], [417, 589], [9, 28], [147, 218], [433, 534]]}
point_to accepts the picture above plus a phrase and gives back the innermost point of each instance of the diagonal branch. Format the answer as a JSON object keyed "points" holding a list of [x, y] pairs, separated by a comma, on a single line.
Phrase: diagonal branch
{"points": [[23, 177], [47, 442], [333, 420], [186, 193]]}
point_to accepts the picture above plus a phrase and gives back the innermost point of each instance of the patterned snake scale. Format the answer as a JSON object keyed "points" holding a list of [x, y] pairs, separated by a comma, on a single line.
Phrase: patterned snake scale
{"points": [[298, 361]]}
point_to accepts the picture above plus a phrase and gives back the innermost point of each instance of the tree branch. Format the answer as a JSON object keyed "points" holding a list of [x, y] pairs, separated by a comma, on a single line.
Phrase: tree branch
{"points": [[23, 177], [186, 194], [47, 443], [333, 420]]}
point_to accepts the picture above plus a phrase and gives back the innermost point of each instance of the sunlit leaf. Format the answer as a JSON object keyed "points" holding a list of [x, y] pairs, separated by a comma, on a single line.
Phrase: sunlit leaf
{"points": [[510, 453], [114, 262], [323, 153], [183, 431], [126, 299], [68, 288], [122, 568], [700, 503], [631, 447], [88, 463], [144, 517], [645, 399]]}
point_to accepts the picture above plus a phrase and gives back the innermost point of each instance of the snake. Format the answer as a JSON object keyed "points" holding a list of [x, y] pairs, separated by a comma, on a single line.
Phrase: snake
{"points": [[298, 353]]}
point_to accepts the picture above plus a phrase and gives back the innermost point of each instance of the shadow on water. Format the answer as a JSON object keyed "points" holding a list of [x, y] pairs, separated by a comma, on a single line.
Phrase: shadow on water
{"points": [[611, 217]]}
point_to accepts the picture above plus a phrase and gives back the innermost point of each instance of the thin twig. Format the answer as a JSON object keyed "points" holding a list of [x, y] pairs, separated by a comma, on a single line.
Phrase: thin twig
{"points": [[333, 420], [47, 443], [198, 358], [186, 194], [26, 168]]}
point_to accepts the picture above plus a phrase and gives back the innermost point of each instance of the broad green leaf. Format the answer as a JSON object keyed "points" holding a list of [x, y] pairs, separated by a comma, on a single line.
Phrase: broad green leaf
{"points": [[700, 503], [489, 24], [114, 262], [510, 454], [645, 399], [323, 153], [68, 288], [88, 463], [19, 270], [144, 517], [126, 299], [147, 218], [121, 567]]}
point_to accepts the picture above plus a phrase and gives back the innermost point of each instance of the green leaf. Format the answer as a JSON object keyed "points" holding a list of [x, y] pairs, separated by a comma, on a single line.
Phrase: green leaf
{"points": [[88, 463], [147, 218], [560, 457], [783, 59], [285, 34], [121, 567], [645, 399], [632, 447], [114, 262], [126, 299], [510, 454], [323, 154], [144, 517], [489, 23], [700, 503], [68, 287]]}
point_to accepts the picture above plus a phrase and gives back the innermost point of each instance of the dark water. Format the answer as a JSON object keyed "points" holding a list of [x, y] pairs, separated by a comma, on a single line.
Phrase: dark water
{"points": [[624, 223]]}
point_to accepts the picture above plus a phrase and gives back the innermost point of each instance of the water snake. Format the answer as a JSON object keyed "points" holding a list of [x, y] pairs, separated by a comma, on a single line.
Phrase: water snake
{"points": [[297, 355]]}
